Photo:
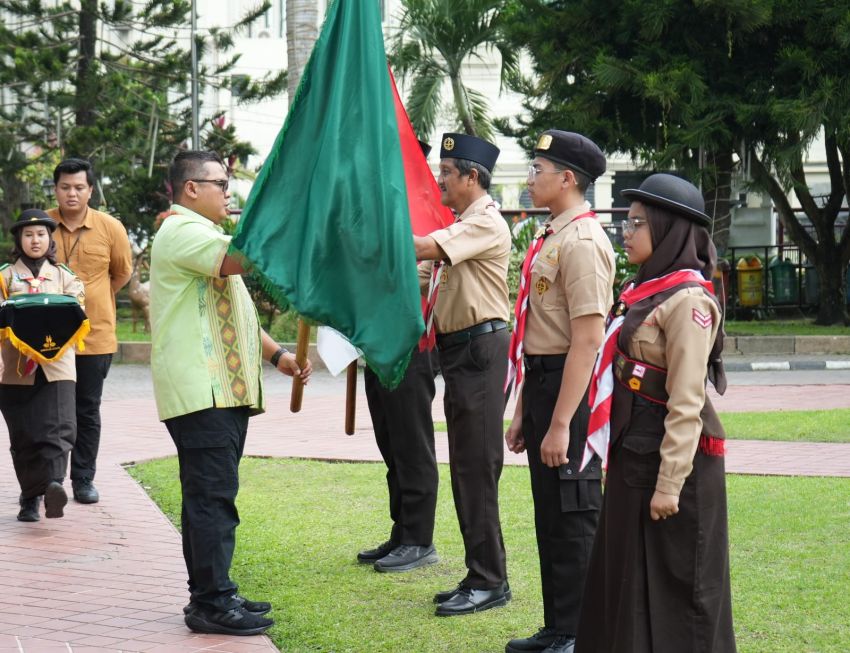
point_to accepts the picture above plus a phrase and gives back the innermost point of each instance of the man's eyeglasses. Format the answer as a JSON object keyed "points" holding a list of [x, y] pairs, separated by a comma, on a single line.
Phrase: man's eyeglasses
{"points": [[534, 170], [630, 226], [221, 183]]}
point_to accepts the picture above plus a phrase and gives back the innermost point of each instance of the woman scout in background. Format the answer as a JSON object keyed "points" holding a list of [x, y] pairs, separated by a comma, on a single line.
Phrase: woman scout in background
{"points": [[37, 396], [658, 579]]}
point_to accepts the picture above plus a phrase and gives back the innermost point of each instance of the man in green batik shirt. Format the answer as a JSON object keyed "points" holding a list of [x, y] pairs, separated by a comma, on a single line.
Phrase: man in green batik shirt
{"points": [[206, 361]]}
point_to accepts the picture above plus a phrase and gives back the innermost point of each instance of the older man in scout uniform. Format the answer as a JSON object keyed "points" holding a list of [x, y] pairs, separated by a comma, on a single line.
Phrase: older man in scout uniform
{"points": [[559, 326], [469, 260]]}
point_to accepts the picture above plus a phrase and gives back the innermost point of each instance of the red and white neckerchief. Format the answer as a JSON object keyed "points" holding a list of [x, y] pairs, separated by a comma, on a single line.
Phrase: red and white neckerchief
{"points": [[602, 381], [521, 307], [34, 287]]}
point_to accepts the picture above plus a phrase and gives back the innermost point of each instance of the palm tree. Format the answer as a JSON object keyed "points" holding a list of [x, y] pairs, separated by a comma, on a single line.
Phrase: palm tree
{"points": [[434, 40], [302, 18]]}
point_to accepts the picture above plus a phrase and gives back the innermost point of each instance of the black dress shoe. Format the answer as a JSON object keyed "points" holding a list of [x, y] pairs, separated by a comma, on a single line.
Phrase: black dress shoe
{"points": [[406, 557], [539, 641], [29, 509], [442, 597], [257, 607], [371, 555], [563, 644], [55, 499], [85, 491], [237, 621], [469, 600]]}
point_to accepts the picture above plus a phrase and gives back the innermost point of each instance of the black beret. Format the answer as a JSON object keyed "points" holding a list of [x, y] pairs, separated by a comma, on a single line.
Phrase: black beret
{"points": [[32, 217], [471, 148], [672, 193], [573, 150]]}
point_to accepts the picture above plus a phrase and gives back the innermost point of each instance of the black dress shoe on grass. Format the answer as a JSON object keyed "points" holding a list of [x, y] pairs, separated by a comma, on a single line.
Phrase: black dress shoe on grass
{"points": [[370, 556], [85, 491], [468, 600], [55, 500], [539, 641], [442, 597], [237, 621], [257, 607], [563, 644], [29, 509], [406, 557]]}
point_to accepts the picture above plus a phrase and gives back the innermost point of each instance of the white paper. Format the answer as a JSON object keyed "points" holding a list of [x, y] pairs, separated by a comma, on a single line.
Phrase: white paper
{"points": [[335, 349]]}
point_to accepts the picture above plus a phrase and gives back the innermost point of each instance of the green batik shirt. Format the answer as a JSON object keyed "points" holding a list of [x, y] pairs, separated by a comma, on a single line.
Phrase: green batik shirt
{"points": [[207, 350]]}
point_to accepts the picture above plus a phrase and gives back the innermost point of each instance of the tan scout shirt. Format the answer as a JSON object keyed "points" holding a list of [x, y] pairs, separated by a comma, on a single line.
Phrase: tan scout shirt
{"points": [[573, 276], [57, 281], [98, 251], [473, 287], [678, 335]]}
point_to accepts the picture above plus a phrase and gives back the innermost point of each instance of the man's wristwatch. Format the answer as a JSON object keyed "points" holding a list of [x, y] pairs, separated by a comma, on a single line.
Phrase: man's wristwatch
{"points": [[275, 359]]}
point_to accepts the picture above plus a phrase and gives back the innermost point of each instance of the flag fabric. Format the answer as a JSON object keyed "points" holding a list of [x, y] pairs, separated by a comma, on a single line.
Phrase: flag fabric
{"points": [[601, 392], [327, 225]]}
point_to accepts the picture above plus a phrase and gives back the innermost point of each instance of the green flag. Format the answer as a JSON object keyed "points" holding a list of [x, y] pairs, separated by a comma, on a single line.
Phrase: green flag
{"points": [[327, 223]]}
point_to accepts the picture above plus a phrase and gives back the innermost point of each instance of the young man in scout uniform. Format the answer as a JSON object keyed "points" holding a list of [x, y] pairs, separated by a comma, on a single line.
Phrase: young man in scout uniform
{"points": [[469, 260], [207, 353], [404, 432], [95, 246], [568, 290]]}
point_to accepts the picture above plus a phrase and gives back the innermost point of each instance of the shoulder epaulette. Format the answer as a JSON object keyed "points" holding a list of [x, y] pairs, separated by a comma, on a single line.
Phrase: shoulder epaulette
{"points": [[67, 269]]}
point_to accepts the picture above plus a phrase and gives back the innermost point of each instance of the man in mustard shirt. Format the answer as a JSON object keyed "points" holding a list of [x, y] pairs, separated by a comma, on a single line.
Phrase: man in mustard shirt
{"points": [[469, 260], [206, 361], [95, 246]]}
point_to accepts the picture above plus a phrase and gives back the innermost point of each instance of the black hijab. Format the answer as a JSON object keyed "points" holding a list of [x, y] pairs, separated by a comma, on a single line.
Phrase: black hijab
{"points": [[677, 244]]}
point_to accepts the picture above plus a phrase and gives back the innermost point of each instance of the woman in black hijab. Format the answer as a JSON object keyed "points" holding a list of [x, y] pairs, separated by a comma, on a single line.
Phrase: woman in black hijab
{"points": [[659, 573]]}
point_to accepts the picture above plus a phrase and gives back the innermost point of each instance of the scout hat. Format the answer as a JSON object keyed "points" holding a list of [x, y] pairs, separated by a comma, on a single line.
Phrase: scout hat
{"points": [[672, 193], [32, 217], [471, 148], [573, 150]]}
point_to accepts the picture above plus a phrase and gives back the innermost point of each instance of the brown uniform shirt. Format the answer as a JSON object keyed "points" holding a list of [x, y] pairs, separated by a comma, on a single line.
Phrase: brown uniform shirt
{"points": [[573, 276], [474, 287], [678, 335], [57, 281], [97, 251]]}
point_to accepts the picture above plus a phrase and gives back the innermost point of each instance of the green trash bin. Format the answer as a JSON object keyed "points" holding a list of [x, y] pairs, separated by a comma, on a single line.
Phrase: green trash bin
{"points": [[783, 281]]}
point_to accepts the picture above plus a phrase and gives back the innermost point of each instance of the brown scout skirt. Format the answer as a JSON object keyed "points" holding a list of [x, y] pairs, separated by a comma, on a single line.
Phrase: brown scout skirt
{"points": [[657, 587]]}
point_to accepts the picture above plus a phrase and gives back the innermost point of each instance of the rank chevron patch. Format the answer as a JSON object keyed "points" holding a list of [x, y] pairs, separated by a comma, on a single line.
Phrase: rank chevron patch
{"points": [[703, 319]]}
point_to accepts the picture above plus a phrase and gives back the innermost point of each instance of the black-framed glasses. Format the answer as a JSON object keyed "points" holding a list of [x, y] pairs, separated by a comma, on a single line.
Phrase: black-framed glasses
{"points": [[221, 183], [630, 226]]}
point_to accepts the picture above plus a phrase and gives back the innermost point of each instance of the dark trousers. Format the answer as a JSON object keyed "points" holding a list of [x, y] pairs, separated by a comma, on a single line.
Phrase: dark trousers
{"points": [[566, 503], [404, 431], [40, 420], [474, 374], [209, 447], [91, 373]]}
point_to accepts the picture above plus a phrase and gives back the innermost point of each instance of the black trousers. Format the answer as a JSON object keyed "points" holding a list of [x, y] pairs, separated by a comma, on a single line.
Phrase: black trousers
{"points": [[474, 374], [91, 373], [209, 445], [41, 424], [566, 503], [404, 431]]}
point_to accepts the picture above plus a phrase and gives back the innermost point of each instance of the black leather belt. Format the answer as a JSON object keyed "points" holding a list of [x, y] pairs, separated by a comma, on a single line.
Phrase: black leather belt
{"points": [[545, 362], [447, 340]]}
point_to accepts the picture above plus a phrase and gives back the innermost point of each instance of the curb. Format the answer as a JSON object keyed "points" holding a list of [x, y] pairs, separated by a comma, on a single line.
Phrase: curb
{"points": [[781, 366]]}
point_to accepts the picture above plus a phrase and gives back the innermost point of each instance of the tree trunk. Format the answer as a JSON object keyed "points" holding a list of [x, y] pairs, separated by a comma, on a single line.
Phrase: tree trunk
{"points": [[86, 86], [832, 286], [462, 105], [717, 192], [302, 17]]}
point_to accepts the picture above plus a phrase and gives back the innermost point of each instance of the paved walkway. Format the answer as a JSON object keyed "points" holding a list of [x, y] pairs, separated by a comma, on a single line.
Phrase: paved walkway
{"points": [[110, 577]]}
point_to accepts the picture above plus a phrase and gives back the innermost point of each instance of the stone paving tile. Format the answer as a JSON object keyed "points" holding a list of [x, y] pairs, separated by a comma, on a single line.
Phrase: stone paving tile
{"points": [[110, 576]]}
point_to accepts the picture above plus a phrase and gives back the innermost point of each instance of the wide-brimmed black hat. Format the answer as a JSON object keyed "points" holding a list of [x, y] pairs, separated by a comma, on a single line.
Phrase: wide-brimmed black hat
{"points": [[31, 218], [471, 148], [672, 193], [573, 150]]}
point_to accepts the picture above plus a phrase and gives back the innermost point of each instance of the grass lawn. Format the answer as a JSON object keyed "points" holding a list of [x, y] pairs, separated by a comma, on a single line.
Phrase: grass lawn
{"points": [[783, 328], [304, 521], [785, 426]]}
